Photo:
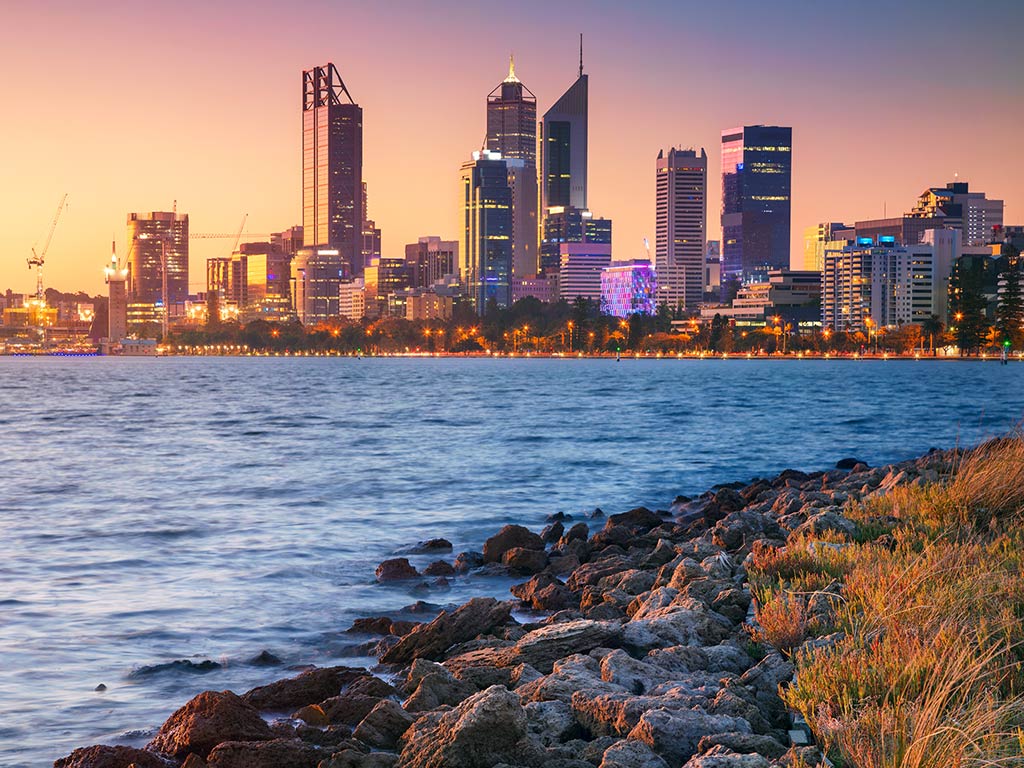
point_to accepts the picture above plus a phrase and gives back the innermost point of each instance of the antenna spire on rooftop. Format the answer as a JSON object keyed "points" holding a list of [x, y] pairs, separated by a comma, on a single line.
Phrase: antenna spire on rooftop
{"points": [[581, 54], [511, 69]]}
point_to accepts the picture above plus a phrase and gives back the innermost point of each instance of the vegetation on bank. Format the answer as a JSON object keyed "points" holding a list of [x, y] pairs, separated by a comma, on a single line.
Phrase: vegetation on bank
{"points": [[533, 326], [916, 649]]}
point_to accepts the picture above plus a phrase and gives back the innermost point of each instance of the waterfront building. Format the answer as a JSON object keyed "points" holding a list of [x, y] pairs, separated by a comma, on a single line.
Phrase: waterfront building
{"points": [[757, 162], [316, 274], [879, 283], [681, 226], [486, 266], [382, 279], [370, 234], [534, 286], [579, 273], [954, 206], [158, 249], [332, 173], [563, 145], [352, 299], [117, 303], [432, 260], [815, 238], [629, 288], [791, 295], [428, 305], [512, 132], [570, 225]]}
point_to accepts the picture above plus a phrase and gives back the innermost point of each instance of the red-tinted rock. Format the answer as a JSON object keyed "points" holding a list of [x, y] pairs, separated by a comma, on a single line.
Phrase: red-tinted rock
{"points": [[281, 753], [397, 569], [510, 537], [525, 561], [429, 641], [102, 756], [311, 687], [208, 720], [439, 568]]}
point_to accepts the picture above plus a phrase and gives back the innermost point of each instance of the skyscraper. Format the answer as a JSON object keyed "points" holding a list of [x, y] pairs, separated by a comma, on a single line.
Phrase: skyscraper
{"points": [[431, 260], [681, 226], [956, 207], [512, 131], [563, 147], [487, 206], [332, 167], [156, 240], [756, 174]]}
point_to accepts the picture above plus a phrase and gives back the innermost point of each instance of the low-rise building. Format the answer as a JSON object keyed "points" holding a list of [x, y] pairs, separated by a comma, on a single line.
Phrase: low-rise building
{"points": [[629, 288]]}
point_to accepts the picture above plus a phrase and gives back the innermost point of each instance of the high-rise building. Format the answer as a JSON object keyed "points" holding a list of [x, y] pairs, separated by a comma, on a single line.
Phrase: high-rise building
{"points": [[352, 299], [959, 208], [512, 131], [316, 274], [880, 283], [156, 240], [570, 225], [431, 260], [757, 162], [287, 241], [332, 169], [815, 238], [629, 288], [117, 315], [681, 226], [487, 252], [563, 146], [580, 267], [370, 243]]}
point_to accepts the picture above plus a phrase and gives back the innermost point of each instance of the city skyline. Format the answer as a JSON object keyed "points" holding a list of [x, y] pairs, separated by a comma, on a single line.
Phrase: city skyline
{"points": [[219, 163]]}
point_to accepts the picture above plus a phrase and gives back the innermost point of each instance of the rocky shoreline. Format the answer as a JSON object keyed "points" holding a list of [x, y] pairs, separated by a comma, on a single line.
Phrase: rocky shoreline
{"points": [[630, 643]]}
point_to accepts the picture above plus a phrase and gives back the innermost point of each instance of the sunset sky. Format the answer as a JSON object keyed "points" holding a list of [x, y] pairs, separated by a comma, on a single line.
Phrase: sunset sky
{"points": [[129, 106]]}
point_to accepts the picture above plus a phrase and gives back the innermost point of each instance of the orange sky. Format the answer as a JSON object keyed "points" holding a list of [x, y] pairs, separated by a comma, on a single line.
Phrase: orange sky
{"points": [[130, 106]]}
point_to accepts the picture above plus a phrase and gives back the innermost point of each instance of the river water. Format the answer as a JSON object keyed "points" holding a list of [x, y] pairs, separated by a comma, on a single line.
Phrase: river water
{"points": [[209, 508]]}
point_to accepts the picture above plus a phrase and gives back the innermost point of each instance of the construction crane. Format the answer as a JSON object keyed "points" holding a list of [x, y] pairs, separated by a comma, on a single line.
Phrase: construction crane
{"points": [[37, 259]]}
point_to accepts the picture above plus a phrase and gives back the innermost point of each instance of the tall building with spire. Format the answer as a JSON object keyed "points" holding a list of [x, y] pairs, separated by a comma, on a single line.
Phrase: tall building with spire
{"points": [[512, 132], [332, 166], [563, 147]]}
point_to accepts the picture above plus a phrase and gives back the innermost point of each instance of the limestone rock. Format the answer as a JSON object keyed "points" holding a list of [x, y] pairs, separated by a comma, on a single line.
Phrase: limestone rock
{"points": [[384, 725], [728, 761], [630, 753], [280, 753], [310, 687], [510, 537], [542, 647], [102, 756], [479, 616], [521, 560], [396, 569], [743, 743], [484, 730], [675, 734], [208, 720]]}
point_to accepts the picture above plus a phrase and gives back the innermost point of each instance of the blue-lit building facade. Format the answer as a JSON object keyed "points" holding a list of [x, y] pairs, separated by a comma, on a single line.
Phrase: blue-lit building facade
{"points": [[756, 200], [629, 288], [487, 206]]}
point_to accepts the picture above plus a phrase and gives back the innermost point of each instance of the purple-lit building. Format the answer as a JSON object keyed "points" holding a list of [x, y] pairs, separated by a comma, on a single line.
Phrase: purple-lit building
{"points": [[629, 288]]}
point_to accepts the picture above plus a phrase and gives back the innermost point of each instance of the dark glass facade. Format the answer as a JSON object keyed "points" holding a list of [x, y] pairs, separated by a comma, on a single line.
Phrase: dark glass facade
{"points": [[756, 184], [487, 258], [570, 225], [332, 167], [564, 149]]}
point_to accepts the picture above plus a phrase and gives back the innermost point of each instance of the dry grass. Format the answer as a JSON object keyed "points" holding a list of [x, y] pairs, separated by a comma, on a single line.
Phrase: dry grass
{"points": [[782, 621], [929, 671]]}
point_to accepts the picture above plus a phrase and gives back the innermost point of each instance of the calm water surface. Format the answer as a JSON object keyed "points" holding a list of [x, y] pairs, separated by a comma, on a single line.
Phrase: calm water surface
{"points": [[177, 508]]}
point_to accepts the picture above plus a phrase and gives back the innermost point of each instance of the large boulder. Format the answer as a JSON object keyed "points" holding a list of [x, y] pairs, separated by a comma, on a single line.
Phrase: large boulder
{"points": [[310, 687], [484, 730], [640, 519], [675, 734], [354, 758], [542, 647], [510, 537], [521, 560], [433, 687], [476, 617], [102, 756], [396, 569], [743, 743], [349, 708], [630, 753], [208, 720], [280, 753], [384, 725], [729, 761]]}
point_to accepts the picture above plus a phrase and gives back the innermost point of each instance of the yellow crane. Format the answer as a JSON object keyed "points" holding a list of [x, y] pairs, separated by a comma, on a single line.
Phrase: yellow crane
{"points": [[37, 259]]}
